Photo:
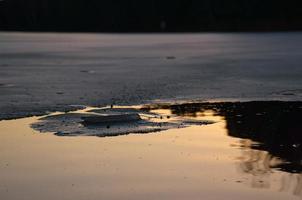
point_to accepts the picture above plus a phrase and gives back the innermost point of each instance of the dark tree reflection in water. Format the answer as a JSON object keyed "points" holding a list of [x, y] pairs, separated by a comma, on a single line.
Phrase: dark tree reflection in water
{"points": [[271, 137], [260, 164]]}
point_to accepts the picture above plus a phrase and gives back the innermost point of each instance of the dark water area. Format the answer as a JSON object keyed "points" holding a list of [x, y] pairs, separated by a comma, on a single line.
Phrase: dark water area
{"points": [[275, 127]]}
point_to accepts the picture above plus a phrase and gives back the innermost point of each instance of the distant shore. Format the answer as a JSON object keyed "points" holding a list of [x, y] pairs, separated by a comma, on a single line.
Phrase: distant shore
{"points": [[150, 16]]}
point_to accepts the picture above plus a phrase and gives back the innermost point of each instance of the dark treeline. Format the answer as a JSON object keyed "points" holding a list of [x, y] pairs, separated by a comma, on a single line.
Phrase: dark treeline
{"points": [[151, 15]]}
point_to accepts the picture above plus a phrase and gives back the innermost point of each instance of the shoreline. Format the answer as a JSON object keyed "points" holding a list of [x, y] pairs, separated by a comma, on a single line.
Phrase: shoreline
{"points": [[13, 115]]}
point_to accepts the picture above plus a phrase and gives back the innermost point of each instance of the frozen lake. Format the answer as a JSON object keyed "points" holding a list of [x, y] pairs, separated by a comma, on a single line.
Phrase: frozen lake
{"points": [[49, 71], [249, 150]]}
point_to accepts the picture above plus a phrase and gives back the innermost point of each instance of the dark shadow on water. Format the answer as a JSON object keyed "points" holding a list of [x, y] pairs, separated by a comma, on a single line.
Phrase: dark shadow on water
{"points": [[276, 127], [269, 133]]}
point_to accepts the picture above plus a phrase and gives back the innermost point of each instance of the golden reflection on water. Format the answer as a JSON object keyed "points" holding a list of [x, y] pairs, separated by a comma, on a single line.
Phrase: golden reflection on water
{"points": [[259, 165], [198, 162]]}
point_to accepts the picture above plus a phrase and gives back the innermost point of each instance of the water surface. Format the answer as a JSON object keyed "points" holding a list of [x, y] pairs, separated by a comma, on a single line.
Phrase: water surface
{"points": [[224, 160]]}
